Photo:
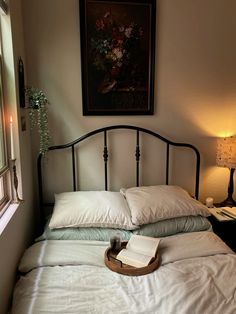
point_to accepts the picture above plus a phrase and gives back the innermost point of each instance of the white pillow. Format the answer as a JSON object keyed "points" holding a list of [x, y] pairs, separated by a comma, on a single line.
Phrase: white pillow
{"points": [[91, 209], [149, 204]]}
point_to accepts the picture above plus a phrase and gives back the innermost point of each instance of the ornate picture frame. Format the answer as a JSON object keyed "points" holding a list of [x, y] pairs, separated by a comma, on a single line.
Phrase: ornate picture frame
{"points": [[117, 56]]}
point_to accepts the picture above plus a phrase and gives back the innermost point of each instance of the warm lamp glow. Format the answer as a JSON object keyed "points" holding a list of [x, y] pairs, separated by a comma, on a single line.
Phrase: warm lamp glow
{"points": [[226, 157], [226, 152]]}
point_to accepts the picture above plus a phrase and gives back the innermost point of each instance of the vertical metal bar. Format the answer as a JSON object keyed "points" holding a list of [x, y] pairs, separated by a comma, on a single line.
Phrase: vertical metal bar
{"points": [[40, 187], [137, 155], [105, 157], [73, 167], [197, 174], [167, 162]]}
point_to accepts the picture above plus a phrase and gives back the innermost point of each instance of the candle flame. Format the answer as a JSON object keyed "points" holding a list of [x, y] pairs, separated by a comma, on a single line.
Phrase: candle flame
{"points": [[10, 119]]}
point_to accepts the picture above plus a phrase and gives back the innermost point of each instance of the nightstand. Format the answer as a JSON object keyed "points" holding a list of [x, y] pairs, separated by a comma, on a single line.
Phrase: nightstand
{"points": [[225, 229]]}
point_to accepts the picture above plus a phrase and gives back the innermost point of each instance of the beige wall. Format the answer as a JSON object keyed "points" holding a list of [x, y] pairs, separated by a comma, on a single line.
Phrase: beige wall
{"points": [[195, 86], [18, 233], [195, 92]]}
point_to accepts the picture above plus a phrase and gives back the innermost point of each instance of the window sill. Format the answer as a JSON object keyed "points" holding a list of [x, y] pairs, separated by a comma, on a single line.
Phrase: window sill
{"points": [[7, 215]]}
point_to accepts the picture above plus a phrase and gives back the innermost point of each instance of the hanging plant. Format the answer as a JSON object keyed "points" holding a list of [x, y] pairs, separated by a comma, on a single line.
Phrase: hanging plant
{"points": [[38, 113]]}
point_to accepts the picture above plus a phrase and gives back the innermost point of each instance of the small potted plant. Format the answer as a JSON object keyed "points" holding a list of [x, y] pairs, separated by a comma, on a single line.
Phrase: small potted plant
{"points": [[38, 112]]}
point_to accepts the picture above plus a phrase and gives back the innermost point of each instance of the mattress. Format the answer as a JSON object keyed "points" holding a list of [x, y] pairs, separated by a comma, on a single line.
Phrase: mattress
{"points": [[197, 275]]}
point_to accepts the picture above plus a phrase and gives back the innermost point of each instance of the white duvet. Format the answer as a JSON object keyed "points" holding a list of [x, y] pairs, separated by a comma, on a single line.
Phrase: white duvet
{"points": [[197, 275]]}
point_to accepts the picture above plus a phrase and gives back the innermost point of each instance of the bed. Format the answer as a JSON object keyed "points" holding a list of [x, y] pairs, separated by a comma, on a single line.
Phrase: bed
{"points": [[64, 270]]}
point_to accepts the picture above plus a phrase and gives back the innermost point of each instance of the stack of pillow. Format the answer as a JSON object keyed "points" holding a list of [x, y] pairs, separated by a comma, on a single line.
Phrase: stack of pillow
{"points": [[149, 210]]}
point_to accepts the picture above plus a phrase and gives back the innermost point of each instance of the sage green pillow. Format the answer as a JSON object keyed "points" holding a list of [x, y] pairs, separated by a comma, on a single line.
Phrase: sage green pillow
{"points": [[173, 226], [158, 229], [90, 233]]}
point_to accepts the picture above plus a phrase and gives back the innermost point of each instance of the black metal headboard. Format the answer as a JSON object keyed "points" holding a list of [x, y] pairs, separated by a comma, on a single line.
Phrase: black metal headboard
{"points": [[137, 155]]}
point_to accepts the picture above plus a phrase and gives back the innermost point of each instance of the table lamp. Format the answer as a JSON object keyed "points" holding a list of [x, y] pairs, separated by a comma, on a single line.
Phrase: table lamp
{"points": [[226, 157]]}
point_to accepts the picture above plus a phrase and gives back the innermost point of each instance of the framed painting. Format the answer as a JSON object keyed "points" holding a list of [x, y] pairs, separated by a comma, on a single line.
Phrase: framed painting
{"points": [[117, 56]]}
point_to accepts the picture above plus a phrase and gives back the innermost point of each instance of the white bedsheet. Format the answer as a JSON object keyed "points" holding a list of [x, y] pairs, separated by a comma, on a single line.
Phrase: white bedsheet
{"points": [[198, 275]]}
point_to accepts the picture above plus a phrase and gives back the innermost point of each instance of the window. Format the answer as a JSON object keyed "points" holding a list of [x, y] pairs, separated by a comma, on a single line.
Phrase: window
{"points": [[5, 178], [4, 167]]}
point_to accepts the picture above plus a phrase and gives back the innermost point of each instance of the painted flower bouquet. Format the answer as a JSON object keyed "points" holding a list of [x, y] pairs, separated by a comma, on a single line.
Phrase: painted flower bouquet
{"points": [[114, 52]]}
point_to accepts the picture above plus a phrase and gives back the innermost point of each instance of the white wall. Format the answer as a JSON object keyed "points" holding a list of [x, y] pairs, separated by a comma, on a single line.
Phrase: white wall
{"points": [[195, 92], [18, 233], [195, 85]]}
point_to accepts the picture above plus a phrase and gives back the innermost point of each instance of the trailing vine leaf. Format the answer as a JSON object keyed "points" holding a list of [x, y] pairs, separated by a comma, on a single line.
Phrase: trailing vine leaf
{"points": [[38, 113]]}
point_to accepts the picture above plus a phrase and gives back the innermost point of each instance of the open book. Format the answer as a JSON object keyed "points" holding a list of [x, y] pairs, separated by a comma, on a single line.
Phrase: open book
{"points": [[219, 214], [139, 251], [231, 211]]}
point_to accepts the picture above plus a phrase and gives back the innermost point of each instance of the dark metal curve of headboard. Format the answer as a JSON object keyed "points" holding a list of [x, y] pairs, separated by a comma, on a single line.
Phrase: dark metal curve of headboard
{"points": [[105, 156]]}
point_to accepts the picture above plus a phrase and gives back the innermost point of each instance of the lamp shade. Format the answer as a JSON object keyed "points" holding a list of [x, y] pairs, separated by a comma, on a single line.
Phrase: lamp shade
{"points": [[226, 152]]}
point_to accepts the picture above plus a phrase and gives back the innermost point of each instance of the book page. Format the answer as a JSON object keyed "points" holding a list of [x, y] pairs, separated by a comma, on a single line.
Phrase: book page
{"points": [[229, 210], [219, 214], [143, 245], [133, 258]]}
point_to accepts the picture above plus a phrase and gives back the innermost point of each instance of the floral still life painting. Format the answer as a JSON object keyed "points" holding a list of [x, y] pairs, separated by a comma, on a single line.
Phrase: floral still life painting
{"points": [[117, 49]]}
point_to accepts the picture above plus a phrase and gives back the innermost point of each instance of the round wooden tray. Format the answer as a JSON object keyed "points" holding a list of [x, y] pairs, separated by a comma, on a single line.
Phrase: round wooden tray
{"points": [[117, 266]]}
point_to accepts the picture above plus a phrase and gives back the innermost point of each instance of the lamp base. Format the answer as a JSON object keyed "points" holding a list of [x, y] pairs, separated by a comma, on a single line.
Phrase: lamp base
{"points": [[228, 202]]}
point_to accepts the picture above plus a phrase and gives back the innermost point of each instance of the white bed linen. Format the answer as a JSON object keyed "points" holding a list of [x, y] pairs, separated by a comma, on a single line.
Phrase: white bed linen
{"points": [[198, 275]]}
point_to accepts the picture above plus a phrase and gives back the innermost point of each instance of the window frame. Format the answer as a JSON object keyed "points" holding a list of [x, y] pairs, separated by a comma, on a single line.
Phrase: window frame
{"points": [[5, 174]]}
